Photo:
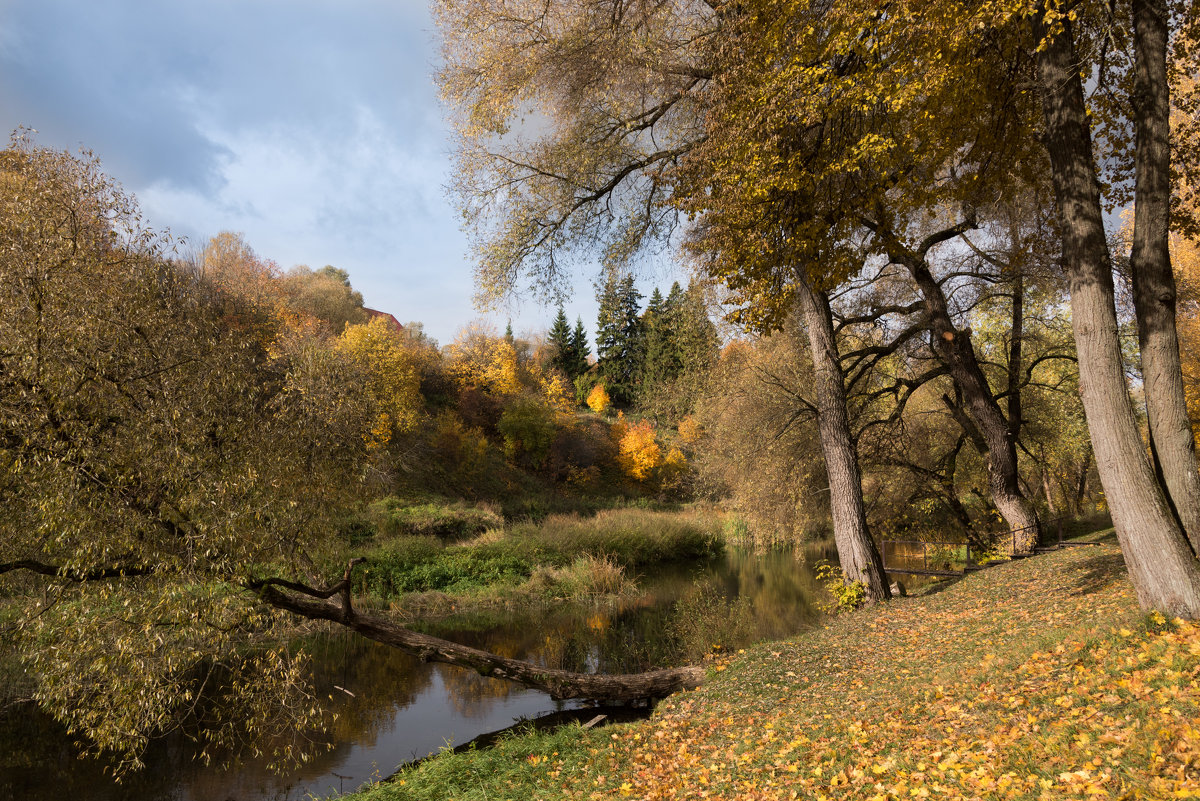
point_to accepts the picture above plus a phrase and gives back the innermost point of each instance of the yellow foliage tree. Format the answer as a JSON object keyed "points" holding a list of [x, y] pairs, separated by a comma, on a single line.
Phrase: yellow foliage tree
{"points": [[597, 399], [638, 453], [1185, 258], [477, 358], [557, 392], [690, 430], [390, 374]]}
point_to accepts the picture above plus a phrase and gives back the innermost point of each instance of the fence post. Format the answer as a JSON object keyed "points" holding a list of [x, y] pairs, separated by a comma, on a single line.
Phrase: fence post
{"points": [[925, 555], [1060, 532]]}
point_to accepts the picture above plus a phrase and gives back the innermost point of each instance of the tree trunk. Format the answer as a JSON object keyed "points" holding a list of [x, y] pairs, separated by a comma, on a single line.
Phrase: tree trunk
{"points": [[1015, 415], [955, 349], [1046, 490], [1082, 485], [559, 684], [1171, 442], [856, 551], [1162, 568]]}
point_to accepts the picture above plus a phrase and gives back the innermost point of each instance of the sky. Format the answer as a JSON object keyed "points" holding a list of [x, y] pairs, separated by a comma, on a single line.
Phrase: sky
{"points": [[312, 127]]}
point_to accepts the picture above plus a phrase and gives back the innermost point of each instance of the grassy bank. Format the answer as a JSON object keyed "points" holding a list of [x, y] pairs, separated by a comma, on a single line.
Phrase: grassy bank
{"points": [[1033, 679], [429, 559]]}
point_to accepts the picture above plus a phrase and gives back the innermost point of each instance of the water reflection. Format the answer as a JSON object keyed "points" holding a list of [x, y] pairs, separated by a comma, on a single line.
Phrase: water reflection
{"points": [[391, 707]]}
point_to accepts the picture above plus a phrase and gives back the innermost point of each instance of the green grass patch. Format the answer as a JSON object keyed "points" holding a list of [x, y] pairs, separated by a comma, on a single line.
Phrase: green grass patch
{"points": [[563, 556]]}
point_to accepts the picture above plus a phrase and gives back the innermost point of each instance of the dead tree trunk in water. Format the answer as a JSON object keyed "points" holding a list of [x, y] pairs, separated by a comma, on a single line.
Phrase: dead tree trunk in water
{"points": [[560, 684]]}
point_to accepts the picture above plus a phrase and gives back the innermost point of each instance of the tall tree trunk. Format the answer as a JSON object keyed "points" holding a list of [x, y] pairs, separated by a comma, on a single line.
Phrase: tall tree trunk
{"points": [[1082, 485], [1017, 319], [955, 349], [856, 551], [1046, 490], [1171, 442], [1162, 568]]}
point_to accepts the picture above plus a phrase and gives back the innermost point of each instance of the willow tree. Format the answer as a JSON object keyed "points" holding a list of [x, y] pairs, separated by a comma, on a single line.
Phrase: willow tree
{"points": [[173, 466]]}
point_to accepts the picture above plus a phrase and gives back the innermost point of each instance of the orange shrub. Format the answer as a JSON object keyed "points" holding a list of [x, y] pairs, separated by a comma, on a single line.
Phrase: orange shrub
{"points": [[638, 452]]}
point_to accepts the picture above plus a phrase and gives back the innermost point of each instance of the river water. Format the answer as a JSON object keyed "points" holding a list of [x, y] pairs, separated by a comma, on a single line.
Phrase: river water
{"points": [[393, 708]]}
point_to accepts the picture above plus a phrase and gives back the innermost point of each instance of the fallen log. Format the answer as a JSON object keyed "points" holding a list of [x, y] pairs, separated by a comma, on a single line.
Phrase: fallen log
{"points": [[560, 684]]}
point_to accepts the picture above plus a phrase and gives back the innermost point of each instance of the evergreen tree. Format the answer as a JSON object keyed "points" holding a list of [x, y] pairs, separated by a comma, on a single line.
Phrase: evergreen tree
{"points": [[579, 350], [681, 347], [618, 338], [560, 338], [656, 340]]}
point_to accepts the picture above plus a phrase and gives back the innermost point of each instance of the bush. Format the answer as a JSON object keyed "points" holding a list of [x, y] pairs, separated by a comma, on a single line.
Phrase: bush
{"points": [[598, 400], [847, 595], [458, 521], [528, 430], [638, 451]]}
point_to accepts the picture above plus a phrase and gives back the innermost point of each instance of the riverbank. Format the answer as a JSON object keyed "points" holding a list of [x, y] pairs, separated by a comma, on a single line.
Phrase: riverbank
{"points": [[1033, 679]]}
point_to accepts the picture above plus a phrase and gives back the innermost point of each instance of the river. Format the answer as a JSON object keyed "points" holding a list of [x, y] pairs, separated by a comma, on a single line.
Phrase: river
{"points": [[392, 708]]}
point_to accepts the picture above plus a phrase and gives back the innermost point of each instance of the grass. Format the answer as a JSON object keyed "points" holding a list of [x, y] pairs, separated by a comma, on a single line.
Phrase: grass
{"points": [[1034, 679], [563, 556]]}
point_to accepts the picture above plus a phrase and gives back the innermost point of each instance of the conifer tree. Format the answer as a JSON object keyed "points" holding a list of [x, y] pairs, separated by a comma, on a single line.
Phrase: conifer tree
{"points": [[579, 350], [560, 338], [618, 337]]}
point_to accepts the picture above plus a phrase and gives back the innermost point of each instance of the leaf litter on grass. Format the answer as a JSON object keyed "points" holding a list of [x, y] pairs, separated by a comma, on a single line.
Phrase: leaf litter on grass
{"points": [[1036, 679]]}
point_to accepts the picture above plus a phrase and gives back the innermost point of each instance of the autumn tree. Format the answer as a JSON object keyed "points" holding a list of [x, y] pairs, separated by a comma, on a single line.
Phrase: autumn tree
{"points": [[390, 374], [156, 453], [325, 294]]}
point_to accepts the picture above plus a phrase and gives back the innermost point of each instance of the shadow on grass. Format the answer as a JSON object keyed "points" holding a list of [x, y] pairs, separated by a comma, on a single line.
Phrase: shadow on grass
{"points": [[1098, 572]]}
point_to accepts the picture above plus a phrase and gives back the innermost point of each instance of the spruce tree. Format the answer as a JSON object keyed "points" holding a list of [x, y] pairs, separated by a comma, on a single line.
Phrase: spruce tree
{"points": [[579, 350], [618, 338], [560, 338]]}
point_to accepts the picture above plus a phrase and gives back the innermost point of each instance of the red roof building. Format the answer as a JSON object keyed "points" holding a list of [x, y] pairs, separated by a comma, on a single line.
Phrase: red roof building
{"points": [[391, 320]]}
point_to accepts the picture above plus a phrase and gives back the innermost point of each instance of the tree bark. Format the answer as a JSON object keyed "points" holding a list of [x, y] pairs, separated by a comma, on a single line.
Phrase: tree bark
{"points": [[954, 347], [1172, 444], [560, 684], [1162, 568], [857, 553]]}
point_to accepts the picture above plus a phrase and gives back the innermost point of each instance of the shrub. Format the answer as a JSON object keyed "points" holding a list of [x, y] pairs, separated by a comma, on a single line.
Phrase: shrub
{"points": [[638, 452], [458, 521], [598, 400], [847, 595], [528, 430]]}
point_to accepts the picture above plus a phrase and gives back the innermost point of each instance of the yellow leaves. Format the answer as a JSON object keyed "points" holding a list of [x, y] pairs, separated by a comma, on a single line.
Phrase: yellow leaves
{"points": [[390, 375], [598, 400], [477, 358], [638, 452]]}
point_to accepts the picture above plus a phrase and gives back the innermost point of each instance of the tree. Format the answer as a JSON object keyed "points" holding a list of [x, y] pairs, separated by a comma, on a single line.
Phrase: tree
{"points": [[560, 339], [325, 294], [1161, 562], [619, 340], [579, 350], [172, 482], [390, 373], [147, 436]]}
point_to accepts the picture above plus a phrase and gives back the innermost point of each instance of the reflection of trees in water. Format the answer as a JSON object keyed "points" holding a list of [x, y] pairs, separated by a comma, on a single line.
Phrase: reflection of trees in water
{"points": [[38, 762], [382, 679]]}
